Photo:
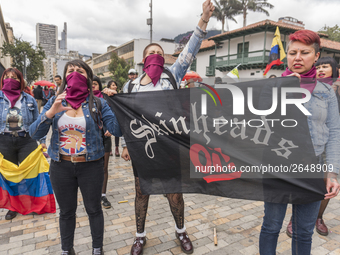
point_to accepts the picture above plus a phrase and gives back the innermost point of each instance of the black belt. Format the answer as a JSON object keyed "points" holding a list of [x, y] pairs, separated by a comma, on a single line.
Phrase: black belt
{"points": [[16, 134]]}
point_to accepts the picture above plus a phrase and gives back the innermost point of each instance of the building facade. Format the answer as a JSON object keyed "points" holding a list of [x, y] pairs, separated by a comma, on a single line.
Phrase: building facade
{"points": [[131, 51], [5, 29], [63, 41], [249, 47], [47, 36]]}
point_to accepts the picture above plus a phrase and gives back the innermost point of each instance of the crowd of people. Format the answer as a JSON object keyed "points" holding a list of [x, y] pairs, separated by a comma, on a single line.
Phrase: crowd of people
{"points": [[82, 124]]}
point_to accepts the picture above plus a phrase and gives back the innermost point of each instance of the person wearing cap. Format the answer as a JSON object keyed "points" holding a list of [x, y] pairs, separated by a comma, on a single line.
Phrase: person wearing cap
{"points": [[132, 74]]}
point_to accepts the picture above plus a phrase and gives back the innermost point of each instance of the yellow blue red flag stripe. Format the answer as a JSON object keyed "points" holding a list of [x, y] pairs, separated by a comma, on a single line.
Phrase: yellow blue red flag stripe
{"points": [[26, 188]]}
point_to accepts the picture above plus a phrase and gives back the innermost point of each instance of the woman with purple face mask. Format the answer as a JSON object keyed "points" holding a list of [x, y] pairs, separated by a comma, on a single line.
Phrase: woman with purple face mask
{"points": [[77, 150], [156, 78], [18, 110]]}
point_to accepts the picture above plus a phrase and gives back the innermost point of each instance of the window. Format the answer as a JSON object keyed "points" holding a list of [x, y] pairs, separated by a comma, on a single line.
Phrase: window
{"points": [[240, 49], [212, 61]]}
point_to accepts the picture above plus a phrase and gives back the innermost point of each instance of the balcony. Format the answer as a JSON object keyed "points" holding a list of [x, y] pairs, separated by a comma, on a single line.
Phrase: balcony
{"points": [[210, 71], [248, 60]]}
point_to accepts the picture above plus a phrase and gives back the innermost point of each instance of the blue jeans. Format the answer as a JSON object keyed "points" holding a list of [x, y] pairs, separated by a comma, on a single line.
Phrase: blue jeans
{"points": [[66, 177], [303, 220]]}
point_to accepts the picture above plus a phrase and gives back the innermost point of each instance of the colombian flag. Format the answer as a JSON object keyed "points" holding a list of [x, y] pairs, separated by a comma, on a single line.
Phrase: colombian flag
{"points": [[26, 188], [277, 53]]}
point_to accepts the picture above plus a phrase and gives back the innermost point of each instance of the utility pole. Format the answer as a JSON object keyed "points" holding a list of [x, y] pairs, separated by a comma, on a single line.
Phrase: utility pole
{"points": [[25, 75], [149, 21]]}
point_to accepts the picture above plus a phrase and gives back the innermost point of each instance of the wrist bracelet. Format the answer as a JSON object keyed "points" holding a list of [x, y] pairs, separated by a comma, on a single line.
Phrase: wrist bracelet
{"points": [[205, 21]]}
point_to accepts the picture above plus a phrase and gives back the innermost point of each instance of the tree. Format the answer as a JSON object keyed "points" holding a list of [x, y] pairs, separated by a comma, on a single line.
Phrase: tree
{"points": [[34, 58], [255, 6], [332, 32], [119, 69], [183, 42], [226, 9]]}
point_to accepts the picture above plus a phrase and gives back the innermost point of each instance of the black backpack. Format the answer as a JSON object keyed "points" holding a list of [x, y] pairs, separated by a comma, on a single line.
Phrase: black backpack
{"points": [[166, 71]]}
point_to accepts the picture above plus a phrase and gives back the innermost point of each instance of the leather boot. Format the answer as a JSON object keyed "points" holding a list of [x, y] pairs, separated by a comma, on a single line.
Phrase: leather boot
{"points": [[137, 247], [186, 244], [321, 227]]}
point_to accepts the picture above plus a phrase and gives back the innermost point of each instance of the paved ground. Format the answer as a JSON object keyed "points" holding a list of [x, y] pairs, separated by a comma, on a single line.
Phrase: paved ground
{"points": [[238, 224]]}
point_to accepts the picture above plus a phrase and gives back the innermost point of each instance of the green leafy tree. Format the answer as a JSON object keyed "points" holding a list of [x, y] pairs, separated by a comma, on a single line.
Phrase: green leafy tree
{"points": [[332, 32], [34, 58], [226, 9], [254, 6], [119, 68]]}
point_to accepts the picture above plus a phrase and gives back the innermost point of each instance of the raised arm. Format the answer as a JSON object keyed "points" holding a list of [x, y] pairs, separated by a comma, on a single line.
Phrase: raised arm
{"points": [[184, 60]]}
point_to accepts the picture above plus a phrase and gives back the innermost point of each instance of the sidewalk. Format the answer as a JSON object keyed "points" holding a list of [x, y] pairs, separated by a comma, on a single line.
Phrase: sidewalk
{"points": [[237, 222]]}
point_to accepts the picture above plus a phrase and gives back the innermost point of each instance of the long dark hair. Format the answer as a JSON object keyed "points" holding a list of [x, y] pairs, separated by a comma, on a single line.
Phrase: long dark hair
{"points": [[96, 78], [110, 83], [333, 64]]}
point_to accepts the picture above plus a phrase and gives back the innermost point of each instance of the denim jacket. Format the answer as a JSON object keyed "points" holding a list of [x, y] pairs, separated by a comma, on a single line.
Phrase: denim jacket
{"points": [[29, 110], [324, 123], [94, 138], [178, 69]]}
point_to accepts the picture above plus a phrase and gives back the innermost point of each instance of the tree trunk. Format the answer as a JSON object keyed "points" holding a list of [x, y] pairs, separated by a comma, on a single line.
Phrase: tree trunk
{"points": [[226, 21], [244, 17], [223, 20]]}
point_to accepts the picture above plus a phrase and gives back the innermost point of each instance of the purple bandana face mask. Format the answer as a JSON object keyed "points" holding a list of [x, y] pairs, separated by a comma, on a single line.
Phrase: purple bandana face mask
{"points": [[308, 80], [153, 66], [76, 91], [11, 89], [97, 93]]}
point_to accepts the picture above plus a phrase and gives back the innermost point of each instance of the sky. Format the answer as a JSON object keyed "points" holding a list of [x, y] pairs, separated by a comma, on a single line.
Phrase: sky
{"points": [[95, 24]]}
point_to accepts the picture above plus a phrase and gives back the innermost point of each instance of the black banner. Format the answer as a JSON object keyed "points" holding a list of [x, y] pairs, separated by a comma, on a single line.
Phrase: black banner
{"points": [[248, 140]]}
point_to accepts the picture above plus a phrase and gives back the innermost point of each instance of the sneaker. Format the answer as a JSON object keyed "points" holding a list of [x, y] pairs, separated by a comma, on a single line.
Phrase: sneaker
{"points": [[106, 204], [69, 252], [97, 251]]}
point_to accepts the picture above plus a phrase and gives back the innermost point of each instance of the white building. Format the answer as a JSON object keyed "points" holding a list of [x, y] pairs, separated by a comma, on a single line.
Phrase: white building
{"points": [[250, 47], [47, 36], [132, 52]]}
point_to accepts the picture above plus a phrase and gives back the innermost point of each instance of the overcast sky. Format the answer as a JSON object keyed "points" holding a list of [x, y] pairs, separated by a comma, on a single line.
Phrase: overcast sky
{"points": [[95, 24]]}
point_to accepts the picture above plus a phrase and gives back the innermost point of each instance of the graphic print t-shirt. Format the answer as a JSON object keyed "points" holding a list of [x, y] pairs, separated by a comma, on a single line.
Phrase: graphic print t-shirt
{"points": [[14, 120], [72, 135]]}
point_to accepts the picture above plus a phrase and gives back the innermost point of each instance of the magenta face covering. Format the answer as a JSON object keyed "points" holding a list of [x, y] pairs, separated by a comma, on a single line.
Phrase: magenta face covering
{"points": [[97, 93], [328, 80], [153, 66], [76, 91], [308, 80], [11, 89]]}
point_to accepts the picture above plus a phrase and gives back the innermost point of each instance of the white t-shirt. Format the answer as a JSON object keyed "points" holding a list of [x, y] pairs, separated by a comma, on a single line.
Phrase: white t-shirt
{"points": [[14, 121], [72, 137], [150, 87]]}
